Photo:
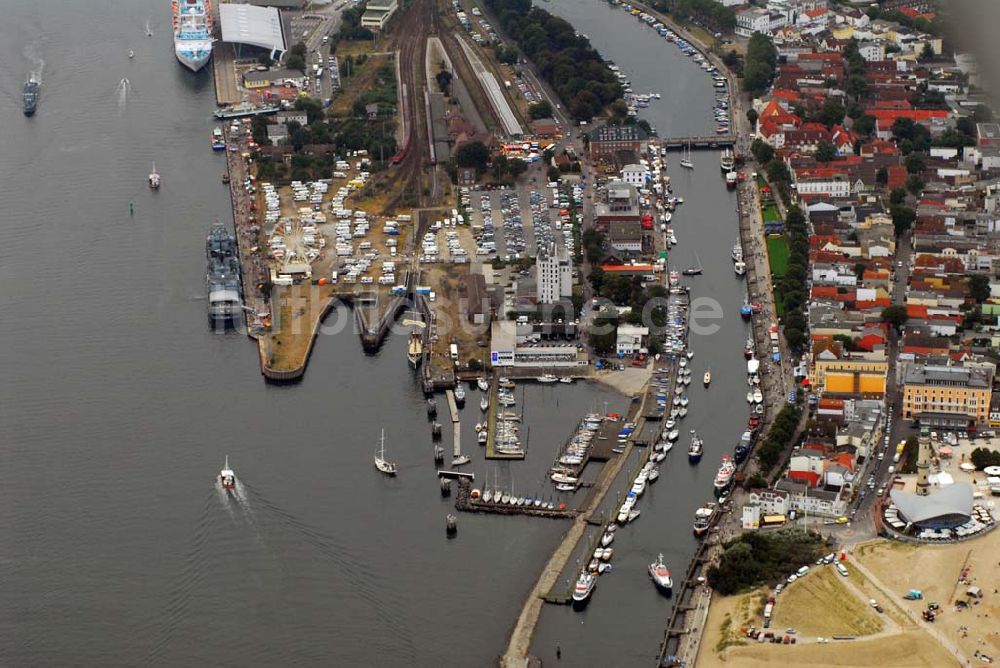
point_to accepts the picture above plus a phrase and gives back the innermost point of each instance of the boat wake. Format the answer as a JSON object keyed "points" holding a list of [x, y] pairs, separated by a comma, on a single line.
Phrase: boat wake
{"points": [[123, 90], [32, 54]]}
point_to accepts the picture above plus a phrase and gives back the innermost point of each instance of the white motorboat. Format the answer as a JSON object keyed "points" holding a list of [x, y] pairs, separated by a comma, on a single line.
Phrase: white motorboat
{"points": [[672, 435], [758, 396], [661, 575], [381, 463], [154, 178], [684, 400], [505, 498], [564, 479], [460, 460], [547, 378], [226, 476], [484, 403], [483, 437], [459, 395], [654, 474], [488, 496], [749, 397], [668, 446], [682, 413], [483, 384], [607, 539], [566, 379], [690, 354], [708, 378]]}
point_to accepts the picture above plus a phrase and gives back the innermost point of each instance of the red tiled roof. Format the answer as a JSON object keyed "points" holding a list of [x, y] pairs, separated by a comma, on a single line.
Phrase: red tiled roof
{"points": [[824, 292], [917, 115], [897, 176], [916, 311]]}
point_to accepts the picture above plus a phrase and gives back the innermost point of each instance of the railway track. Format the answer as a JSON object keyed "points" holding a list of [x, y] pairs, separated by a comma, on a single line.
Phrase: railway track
{"points": [[410, 41]]}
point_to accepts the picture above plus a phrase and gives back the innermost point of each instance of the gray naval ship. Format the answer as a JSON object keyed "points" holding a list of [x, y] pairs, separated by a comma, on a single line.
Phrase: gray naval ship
{"points": [[225, 304]]}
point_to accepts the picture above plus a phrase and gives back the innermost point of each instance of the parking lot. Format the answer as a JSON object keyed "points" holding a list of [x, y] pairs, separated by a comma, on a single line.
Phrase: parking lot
{"points": [[514, 224]]}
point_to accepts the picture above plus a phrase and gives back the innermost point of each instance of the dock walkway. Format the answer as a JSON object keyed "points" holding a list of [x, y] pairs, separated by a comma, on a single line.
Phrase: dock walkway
{"points": [[516, 653], [227, 88]]}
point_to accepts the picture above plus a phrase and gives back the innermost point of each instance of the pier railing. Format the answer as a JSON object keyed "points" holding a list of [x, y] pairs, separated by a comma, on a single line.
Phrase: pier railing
{"points": [[700, 142]]}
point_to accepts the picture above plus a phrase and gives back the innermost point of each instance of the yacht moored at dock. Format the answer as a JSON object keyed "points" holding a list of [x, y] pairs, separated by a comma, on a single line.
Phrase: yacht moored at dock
{"points": [[583, 588], [727, 161], [725, 475], [703, 518]]}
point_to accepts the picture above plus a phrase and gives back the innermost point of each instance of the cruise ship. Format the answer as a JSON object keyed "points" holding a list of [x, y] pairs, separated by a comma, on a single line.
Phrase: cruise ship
{"points": [[192, 21], [222, 280]]}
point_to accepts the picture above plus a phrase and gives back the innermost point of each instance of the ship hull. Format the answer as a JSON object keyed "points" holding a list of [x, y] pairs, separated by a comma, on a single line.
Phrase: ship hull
{"points": [[193, 58]]}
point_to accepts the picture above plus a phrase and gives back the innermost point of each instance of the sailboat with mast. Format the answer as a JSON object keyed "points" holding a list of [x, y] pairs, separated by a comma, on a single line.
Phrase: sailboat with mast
{"points": [[685, 160], [381, 463]]}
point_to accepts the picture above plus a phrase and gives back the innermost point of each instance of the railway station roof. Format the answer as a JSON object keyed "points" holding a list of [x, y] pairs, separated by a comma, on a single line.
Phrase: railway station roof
{"points": [[256, 26]]}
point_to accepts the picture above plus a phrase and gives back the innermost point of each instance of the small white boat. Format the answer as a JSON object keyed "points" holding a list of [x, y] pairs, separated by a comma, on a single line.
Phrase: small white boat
{"points": [[607, 553], [484, 403], [685, 401], [381, 463], [565, 487], [131, 53], [607, 539], [667, 447], [673, 435], [505, 498], [154, 178], [547, 378], [460, 460], [654, 474], [566, 379], [484, 385], [633, 514], [459, 395], [488, 496], [226, 476], [708, 378], [658, 456], [749, 397], [689, 354], [758, 396], [482, 437]]}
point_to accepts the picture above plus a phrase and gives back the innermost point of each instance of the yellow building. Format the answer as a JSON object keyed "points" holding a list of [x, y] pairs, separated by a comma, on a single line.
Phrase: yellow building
{"points": [[838, 372], [947, 396]]}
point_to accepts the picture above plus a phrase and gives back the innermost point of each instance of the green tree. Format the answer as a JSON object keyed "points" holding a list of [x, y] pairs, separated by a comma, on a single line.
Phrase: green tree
{"points": [[762, 151], [908, 458], [864, 126], [473, 154], [443, 79], [882, 176], [983, 457], [602, 333], [752, 116], [540, 109], [914, 184], [777, 171], [825, 151], [914, 163], [897, 196], [831, 113], [895, 315], [979, 287], [902, 218]]}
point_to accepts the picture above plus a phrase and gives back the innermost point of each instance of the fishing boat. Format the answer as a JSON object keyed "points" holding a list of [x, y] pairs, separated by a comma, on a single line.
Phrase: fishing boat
{"points": [[737, 253], [218, 140], [29, 96], [692, 271], [745, 311], [226, 476], [381, 463], [703, 518], [459, 396], [707, 379], [483, 384], [731, 180], [725, 474], [661, 575], [695, 449], [583, 589], [740, 267], [482, 437], [154, 178]]}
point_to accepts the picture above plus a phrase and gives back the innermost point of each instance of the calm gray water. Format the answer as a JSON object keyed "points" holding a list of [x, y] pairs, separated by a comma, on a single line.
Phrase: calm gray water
{"points": [[118, 406]]}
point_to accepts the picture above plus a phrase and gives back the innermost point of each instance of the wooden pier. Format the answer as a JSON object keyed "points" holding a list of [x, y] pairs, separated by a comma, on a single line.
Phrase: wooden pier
{"points": [[491, 427], [702, 142], [456, 423]]}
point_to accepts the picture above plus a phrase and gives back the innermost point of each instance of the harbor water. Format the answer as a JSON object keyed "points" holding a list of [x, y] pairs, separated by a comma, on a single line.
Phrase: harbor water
{"points": [[119, 405]]}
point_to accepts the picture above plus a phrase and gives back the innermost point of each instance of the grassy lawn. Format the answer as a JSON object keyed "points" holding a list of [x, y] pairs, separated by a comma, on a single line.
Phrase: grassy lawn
{"points": [[770, 211], [819, 604], [777, 255]]}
